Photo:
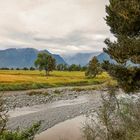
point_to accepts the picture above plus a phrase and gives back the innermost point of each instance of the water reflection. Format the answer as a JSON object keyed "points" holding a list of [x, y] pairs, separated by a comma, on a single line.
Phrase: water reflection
{"points": [[68, 130]]}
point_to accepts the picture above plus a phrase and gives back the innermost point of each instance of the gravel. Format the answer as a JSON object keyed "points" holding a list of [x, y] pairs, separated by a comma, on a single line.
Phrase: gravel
{"points": [[19, 100], [49, 115]]}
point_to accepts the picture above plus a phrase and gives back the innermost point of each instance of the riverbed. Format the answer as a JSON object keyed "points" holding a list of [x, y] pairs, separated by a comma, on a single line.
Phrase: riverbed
{"points": [[31, 109]]}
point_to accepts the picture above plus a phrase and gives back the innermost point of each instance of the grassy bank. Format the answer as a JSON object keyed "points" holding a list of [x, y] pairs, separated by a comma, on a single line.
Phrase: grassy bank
{"points": [[23, 80]]}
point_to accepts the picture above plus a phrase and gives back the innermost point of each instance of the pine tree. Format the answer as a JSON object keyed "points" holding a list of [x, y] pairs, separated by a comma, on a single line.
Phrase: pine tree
{"points": [[93, 68], [123, 17]]}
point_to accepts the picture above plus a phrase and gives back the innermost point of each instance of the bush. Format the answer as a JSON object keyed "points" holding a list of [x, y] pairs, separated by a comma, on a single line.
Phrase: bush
{"points": [[117, 119], [28, 134]]}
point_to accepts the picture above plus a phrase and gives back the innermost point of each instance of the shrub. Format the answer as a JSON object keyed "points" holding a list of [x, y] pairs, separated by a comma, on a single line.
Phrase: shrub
{"points": [[27, 134], [117, 119]]}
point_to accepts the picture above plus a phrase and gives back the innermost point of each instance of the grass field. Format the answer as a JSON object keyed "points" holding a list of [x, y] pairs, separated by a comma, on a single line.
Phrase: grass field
{"points": [[23, 80]]}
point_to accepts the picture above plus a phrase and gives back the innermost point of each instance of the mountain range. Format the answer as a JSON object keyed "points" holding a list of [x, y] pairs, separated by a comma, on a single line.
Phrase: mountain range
{"points": [[83, 58], [105, 57], [80, 58], [13, 58]]}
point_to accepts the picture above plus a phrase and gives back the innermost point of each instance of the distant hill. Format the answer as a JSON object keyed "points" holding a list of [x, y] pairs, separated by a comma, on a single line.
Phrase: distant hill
{"points": [[80, 58], [104, 57], [13, 58], [83, 58]]}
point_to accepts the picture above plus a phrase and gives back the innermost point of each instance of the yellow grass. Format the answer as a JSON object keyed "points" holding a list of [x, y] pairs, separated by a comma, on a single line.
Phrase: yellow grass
{"points": [[19, 79]]}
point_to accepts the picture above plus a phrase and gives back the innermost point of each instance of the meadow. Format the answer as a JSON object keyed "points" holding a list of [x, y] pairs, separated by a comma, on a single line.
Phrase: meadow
{"points": [[24, 80]]}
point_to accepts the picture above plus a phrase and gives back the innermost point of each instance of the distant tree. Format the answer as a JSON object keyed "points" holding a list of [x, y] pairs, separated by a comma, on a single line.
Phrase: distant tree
{"points": [[93, 68], [74, 67], [61, 67], [83, 68], [123, 17], [45, 62], [79, 68], [32, 68], [4, 68], [65, 67], [25, 68], [17, 68]]}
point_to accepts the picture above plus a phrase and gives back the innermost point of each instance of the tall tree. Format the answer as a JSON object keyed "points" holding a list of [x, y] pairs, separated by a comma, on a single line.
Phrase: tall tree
{"points": [[45, 62], [93, 68], [123, 17]]}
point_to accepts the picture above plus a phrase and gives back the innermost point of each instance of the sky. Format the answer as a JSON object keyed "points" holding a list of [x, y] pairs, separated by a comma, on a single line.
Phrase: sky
{"points": [[60, 26]]}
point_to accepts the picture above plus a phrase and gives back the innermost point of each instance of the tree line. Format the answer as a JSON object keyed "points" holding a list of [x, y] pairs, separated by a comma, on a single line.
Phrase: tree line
{"points": [[58, 67], [46, 62]]}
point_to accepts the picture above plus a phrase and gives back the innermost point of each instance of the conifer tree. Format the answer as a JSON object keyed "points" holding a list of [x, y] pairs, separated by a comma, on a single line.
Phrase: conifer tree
{"points": [[123, 17], [93, 68]]}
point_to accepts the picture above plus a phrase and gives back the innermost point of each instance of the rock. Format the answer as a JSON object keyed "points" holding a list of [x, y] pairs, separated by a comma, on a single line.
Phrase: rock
{"points": [[75, 96]]}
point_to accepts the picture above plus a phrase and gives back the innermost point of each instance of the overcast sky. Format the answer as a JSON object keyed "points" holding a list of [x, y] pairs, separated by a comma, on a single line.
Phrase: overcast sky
{"points": [[60, 26]]}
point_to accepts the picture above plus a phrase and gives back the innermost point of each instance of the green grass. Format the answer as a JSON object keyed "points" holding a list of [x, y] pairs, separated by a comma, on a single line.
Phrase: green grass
{"points": [[27, 134], [24, 80]]}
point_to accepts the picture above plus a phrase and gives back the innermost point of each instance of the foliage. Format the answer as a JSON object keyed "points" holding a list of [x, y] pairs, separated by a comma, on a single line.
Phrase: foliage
{"points": [[25, 68], [32, 68], [84, 68], [93, 68], [128, 78], [45, 62], [123, 17], [73, 67], [124, 49], [62, 67], [4, 69], [27, 134]]}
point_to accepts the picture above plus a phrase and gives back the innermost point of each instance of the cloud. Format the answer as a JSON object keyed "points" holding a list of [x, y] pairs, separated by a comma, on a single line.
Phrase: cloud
{"points": [[62, 26]]}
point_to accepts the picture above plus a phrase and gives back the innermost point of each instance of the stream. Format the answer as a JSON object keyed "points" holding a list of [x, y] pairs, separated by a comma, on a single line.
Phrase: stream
{"points": [[67, 130], [61, 119]]}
